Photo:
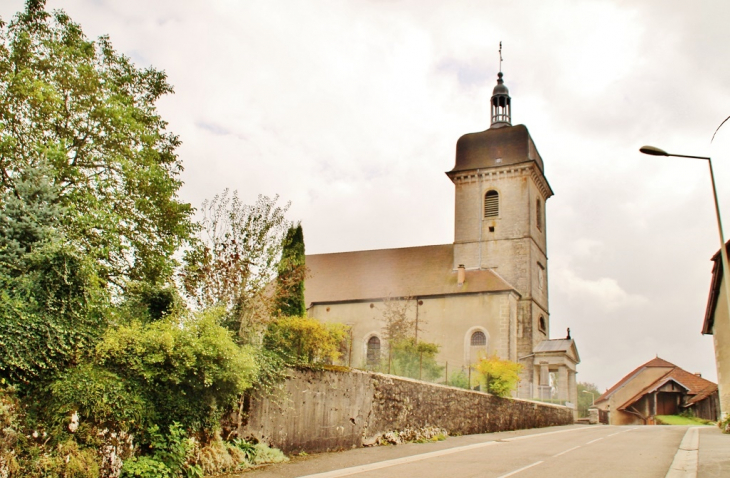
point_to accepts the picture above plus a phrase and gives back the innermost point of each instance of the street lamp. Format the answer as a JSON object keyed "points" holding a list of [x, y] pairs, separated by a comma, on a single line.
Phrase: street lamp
{"points": [[593, 397], [651, 150]]}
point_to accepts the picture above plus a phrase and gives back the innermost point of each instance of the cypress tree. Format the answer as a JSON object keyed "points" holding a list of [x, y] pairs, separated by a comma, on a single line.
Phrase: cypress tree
{"points": [[290, 281]]}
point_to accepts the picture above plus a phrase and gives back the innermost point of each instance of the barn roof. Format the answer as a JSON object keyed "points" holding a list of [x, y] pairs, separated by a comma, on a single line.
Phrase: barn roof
{"points": [[655, 362], [695, 385]]}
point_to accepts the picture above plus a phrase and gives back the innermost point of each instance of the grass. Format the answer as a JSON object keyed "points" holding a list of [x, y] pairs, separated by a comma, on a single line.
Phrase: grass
{"points": [[680, 420]]}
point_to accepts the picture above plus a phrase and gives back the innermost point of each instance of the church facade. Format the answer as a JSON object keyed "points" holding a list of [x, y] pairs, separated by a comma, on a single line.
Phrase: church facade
{"points": [[487, 293]]}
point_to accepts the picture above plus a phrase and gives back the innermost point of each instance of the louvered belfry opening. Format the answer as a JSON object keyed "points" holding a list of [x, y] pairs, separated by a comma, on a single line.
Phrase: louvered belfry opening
{"points": [[501, 109], [491, 204]]}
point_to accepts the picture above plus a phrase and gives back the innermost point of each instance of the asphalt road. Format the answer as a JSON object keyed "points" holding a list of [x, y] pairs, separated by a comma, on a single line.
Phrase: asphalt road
{"points": [[595, 451]]}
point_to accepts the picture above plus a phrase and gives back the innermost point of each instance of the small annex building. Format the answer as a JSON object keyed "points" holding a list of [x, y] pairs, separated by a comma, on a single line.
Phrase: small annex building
{"points": [[487, 292], [656, 388]]}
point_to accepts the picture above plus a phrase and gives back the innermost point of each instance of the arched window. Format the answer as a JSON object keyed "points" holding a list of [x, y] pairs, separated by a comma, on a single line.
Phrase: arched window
{"points": [[373, 355], [538, 214], [478, 339], [491, 204]]}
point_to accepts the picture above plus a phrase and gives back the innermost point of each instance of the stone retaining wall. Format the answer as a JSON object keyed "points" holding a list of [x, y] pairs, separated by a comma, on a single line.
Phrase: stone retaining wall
{"points": [[326, 410]]}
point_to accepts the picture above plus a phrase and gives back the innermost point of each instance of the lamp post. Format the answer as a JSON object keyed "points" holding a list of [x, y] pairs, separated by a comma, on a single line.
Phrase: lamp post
{"points": [[651, 150], [593, 397]]}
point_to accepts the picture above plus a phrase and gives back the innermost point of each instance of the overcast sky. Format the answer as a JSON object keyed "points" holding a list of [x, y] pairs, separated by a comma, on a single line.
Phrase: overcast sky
{"points": [[351, 111]]}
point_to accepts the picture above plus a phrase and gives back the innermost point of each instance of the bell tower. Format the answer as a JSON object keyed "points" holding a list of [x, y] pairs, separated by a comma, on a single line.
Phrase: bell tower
{"points": [[500, 222]]}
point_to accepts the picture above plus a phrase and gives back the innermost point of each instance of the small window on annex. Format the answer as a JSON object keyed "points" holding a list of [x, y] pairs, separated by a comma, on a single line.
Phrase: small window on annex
{"points": [[491, 204], [478, 339], [373, 355], [538, 214], [541, 325]]}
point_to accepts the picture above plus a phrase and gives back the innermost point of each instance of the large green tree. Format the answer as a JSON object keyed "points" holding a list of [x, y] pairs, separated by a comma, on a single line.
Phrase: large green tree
{"points": [[84, 152], [587, 393]]}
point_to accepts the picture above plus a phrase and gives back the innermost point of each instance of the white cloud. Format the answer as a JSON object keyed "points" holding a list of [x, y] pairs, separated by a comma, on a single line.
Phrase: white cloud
{"points": [[603, 294]]}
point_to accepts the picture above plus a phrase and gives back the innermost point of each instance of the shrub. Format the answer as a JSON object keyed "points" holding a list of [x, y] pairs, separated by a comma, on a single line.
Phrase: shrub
{"points": [[724, 425], [266, 454], [169, 456], [65, 460], [459, 379], [303, 340], [56, 301], [500, 377], [11, 434], [190, 371], [98, 396]]}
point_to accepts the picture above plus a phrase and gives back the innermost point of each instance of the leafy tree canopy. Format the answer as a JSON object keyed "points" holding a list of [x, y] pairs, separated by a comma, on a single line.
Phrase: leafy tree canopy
{"points": [[234, 259], [587, 392], [415, 359], [83, 150]]}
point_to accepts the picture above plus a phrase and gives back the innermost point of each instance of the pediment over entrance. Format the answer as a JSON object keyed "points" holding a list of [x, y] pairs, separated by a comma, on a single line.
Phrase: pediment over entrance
{"points": [[558, 347]]}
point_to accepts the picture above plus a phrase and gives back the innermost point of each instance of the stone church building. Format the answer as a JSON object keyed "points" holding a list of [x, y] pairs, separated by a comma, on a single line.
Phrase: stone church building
{"points": [[485, 293]]}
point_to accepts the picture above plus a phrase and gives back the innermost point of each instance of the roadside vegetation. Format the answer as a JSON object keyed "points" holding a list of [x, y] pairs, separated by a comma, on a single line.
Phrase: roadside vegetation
{"points": [[682, 420], [118, 360]]}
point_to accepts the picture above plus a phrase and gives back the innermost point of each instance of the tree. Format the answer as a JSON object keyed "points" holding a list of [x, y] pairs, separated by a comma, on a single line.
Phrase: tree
{"points": [[291, 272], [79, 120], [415, 359], [500, 377], [587, 392], [398, 322], [234, 259]]}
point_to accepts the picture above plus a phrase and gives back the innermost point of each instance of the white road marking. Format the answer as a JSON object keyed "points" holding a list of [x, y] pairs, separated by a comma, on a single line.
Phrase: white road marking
{"points": [[423, 456], [686, 459], [594, 441], [521, 469], [524, 437], [398, 461], [566, 451]]}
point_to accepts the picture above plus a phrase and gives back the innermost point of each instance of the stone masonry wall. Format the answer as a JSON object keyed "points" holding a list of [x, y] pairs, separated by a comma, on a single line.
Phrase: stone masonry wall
{"points": [[330, 410]]}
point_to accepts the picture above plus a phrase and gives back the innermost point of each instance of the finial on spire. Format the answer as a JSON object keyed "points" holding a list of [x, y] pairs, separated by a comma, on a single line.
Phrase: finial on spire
{"points": [[500, 56]]}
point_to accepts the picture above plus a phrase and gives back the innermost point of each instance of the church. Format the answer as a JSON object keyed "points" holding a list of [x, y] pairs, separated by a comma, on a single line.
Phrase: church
{"points": [[487, 293]]}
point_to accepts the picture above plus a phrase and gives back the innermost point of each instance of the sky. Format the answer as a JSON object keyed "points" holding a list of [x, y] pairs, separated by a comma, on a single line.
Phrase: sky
{"points": [[351, 110]]}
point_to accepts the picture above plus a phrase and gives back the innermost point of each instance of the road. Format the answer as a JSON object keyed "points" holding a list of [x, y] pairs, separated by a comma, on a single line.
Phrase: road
{"points": [[579, 450]]}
